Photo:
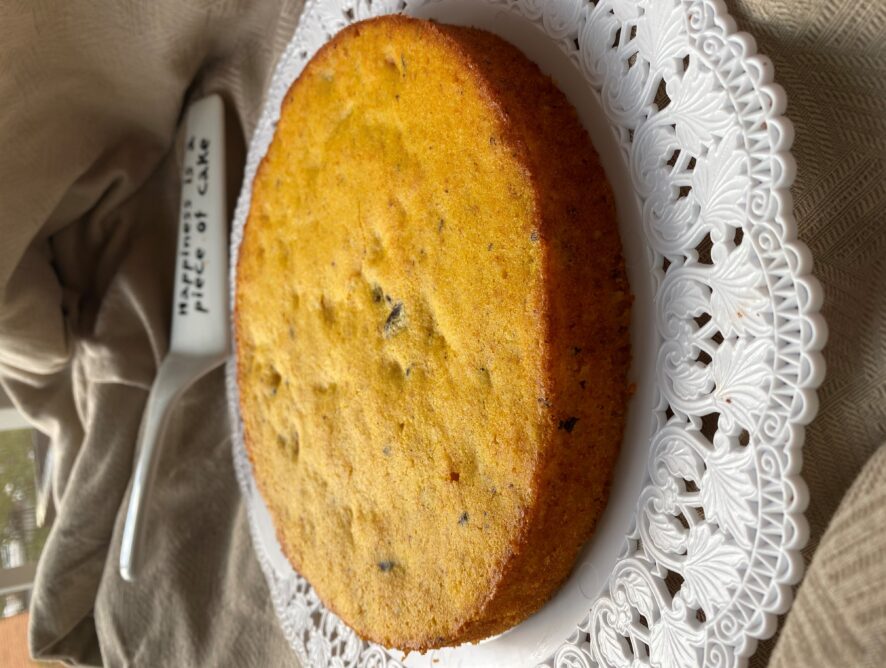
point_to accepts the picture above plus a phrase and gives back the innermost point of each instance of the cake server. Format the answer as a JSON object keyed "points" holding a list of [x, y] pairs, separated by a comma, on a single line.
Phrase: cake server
{"points": [[199, 340]]}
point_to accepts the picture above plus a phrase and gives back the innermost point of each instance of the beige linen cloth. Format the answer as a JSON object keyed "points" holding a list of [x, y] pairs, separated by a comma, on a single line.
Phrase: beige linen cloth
{"points": [[91, 99]]}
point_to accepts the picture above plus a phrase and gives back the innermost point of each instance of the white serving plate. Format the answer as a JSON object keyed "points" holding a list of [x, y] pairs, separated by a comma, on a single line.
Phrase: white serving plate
{"points": [[699, 544]]}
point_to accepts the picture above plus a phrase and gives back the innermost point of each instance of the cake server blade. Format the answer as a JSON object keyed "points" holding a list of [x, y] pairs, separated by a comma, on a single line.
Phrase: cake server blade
{"points": [[199, 340]]}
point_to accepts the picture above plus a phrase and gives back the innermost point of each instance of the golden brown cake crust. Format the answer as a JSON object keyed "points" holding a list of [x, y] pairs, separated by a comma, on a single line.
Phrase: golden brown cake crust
{"points": [[577, 308]]}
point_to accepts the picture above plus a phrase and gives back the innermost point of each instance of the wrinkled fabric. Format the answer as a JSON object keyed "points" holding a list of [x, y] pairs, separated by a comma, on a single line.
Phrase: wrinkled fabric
{"points": [[92, 97], [839, 618]]}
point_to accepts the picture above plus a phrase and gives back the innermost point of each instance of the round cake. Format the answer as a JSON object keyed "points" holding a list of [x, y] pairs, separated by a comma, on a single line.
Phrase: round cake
{"points": [[432, 332]]}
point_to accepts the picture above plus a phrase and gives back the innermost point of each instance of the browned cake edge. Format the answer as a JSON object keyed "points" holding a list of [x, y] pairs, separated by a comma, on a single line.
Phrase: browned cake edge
{"points": [[587, 320], [587, 313]]}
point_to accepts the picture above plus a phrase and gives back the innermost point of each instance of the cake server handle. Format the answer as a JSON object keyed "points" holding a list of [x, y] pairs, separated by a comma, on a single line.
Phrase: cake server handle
{"points": [[199, 340]]}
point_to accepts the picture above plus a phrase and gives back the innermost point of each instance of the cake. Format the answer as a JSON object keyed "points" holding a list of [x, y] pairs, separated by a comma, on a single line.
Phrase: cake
{"points": [[431, 321]]}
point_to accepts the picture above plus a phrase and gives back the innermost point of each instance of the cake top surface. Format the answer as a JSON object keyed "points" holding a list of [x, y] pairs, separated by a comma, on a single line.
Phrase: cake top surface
{"points": [[393, 346]]}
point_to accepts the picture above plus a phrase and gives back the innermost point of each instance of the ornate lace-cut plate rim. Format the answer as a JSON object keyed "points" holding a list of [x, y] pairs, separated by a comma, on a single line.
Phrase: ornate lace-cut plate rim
{"points": [[730, 314]]}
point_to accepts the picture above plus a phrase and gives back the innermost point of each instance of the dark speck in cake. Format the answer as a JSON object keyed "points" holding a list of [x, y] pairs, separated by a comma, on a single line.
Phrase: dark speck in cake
{"points": [[568, 424], [396, 320]]}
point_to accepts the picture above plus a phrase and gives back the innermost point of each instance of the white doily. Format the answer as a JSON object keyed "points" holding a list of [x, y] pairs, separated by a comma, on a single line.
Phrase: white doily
{"points": [[700, 547]]}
